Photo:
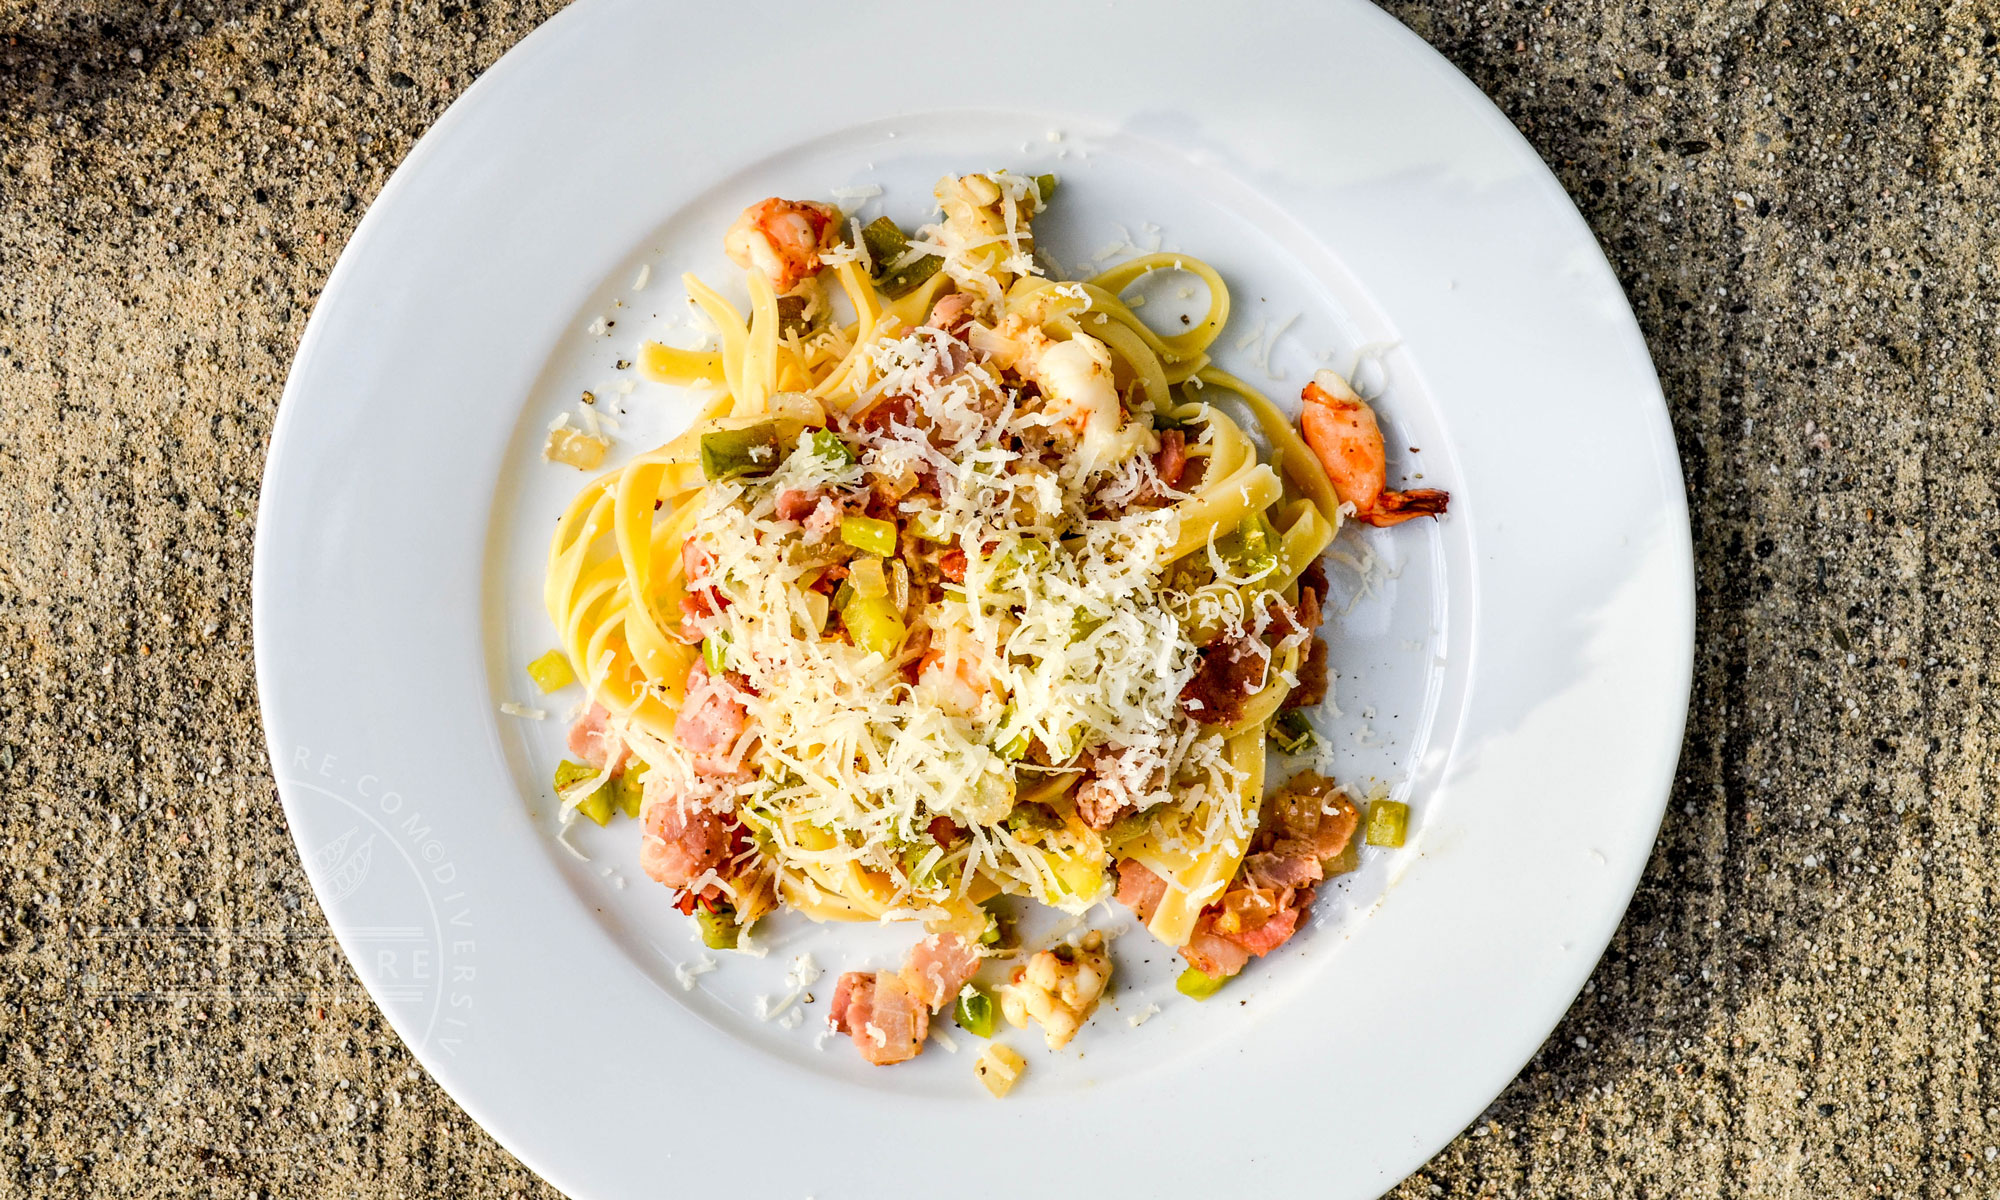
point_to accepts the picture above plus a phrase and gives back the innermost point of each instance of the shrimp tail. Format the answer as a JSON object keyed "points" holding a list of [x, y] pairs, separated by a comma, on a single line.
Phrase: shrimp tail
{"points": [[1394, 508]]}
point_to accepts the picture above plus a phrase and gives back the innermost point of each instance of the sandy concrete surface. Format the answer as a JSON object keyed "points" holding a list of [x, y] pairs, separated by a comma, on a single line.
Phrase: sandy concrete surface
{"points": [[1801, 200]]}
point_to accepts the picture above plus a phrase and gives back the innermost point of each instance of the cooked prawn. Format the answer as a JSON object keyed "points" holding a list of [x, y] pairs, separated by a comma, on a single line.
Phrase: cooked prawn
{"points": [[1077, 387], [781, 238], [1343, 434]]}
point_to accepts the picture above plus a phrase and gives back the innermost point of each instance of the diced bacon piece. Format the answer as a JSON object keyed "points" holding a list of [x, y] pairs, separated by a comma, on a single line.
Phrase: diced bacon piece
{"points": [[887, 1021], [951, 564], [1288, 864], [1171, 461], [1230, 672], [1313, 810], [939, 966], [796, 505], [1336, 828], [943, 830], [1272, 933], [683, 841], [710, 722], [853, 996], [592, 741], [1211, 953], [1139, 889], [951, 312], [696, 561], [824, 518]]}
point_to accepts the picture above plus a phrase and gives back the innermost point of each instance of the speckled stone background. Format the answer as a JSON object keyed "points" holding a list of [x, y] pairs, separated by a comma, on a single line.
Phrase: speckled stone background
{"points": [[1802, 202]]}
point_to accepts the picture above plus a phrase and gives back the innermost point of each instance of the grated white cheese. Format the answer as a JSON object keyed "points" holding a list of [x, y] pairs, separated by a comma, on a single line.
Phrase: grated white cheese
{"points": [[685, 973], [1142, 1016], [848, 195], [644, 277], [524, 711], [597, 327], [942, 1038]]}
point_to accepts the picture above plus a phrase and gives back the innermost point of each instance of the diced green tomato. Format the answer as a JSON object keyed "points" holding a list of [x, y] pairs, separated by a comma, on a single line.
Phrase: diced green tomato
{"points": [[1254, 552], [1388, 822], [990, 936], [870, 534], [714, 648], [874, 625], [1291, 731], [792, 316], [719, 929], [1195, 985], [1129, 826], [1045, 187], [629, 790], [551, 671], [1016, 747], [826, 444], [1032, 815], [568, 772], [885, 242], [843, 596], [597, 805], [727, 453], [974, 1012]]}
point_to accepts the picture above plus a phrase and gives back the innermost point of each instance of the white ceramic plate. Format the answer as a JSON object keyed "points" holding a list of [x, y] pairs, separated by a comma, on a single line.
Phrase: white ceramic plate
{"points": [[1517, 672]]}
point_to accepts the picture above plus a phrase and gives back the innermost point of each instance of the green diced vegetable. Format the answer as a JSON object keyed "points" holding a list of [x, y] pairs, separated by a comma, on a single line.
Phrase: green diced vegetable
{"points": [[826, 444], [870, 534], [1032, 815], [1388, 822], [551, 671], [727, 453], [1011, 745], [597, 805], [1198, 986], [719, 930], [1291, 731], [1129, 826], [886, 244], [1253, 552], [628, 790], [714, 649], [792, 316], [568, 772], [974, 1012], [1045, 187], [874, 625]]}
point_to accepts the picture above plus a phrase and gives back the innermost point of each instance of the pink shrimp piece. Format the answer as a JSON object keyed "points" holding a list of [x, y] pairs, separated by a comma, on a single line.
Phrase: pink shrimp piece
{"points": [[781, 239], [1344, 436]]}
